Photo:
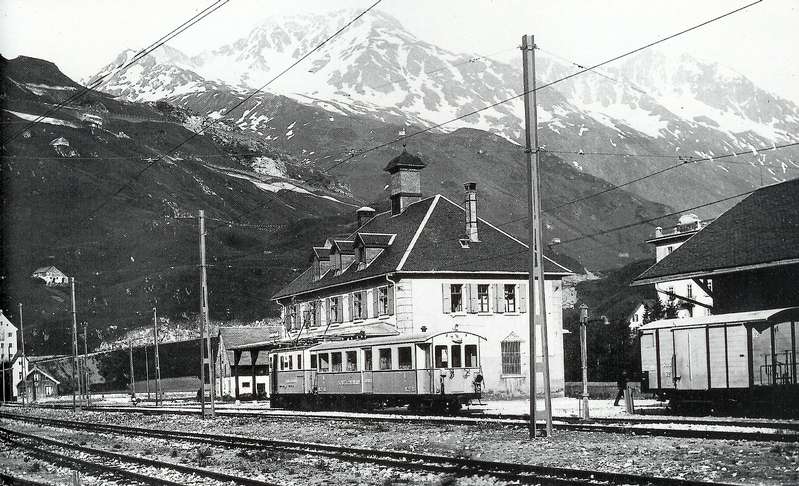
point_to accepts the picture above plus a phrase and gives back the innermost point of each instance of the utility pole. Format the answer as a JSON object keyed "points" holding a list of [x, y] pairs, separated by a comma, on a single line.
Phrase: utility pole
{"points": [[537, 290], [584, 356], [24, 364], [75, 382], [205, 338], [86, 365], [147, 370], [132, 379], [158, 396]]}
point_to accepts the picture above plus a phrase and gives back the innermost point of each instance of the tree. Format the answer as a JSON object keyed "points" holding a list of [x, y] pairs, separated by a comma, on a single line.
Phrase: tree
{"points": [[655, 310]]}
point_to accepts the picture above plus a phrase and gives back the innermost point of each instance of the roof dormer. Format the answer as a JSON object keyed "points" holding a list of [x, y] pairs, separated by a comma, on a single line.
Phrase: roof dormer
{"points": [[369, 246], [342, 254]]}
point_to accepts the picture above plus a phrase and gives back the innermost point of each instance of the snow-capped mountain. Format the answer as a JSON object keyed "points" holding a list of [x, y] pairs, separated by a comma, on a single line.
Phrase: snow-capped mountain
{"points": [[650, 104]]}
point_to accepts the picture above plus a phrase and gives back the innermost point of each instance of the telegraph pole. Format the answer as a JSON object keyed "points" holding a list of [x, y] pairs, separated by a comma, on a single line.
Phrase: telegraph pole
{"points": [[86, 365], [205, 338], [74, 347], [24, 366], [132, 379], [536, 291], [147, 370], [158, 396]]}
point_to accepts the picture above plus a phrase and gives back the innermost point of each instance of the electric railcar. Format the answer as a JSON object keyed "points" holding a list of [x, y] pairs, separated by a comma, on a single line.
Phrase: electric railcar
{"points": [[431, 371], [744, 361]]}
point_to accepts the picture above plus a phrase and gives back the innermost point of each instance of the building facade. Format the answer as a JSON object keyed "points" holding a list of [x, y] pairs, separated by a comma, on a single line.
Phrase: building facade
{"points": [[689, 298], [429, 265], [39, 386]]}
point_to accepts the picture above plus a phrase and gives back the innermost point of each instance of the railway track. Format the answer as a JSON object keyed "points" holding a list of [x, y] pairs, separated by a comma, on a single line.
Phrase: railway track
{"points": [[782, 431], [116, 465], [521, 473]]}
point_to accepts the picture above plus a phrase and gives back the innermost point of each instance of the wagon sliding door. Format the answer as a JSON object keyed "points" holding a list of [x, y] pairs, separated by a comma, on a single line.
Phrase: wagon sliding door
{"points": [[690, 358]]}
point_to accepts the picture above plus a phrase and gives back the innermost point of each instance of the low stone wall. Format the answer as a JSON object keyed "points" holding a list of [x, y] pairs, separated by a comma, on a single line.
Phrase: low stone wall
{"points": [[599, 389]]}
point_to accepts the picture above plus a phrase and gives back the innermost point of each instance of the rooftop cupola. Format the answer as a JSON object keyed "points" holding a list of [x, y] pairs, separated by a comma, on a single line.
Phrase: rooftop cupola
{"points": [[406, 185]]}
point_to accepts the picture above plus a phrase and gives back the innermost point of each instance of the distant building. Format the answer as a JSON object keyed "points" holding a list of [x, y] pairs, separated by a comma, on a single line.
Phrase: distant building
{"points": [[8, 339], [695, 302], [51, 275], [39, 386], [92, 120], [747, 259], [429, 265], [244, 372]]}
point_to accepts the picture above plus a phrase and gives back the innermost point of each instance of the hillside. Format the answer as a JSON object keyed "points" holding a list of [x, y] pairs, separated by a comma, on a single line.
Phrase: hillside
{"points": [[618, 123], [133, 248]]}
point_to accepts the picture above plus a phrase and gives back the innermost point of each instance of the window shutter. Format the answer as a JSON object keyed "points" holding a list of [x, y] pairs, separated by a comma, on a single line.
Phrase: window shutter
{"points": [[499, 301], [391, 300], [318, 313], [474, 304], [445, 298], [287, 317], [351, 298], [376, 301], [521, 290], [328, 315]]}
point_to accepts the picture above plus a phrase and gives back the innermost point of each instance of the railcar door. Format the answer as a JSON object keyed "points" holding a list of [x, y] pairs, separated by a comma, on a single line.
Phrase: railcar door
{"points": [[424, 369], [273, 374]]}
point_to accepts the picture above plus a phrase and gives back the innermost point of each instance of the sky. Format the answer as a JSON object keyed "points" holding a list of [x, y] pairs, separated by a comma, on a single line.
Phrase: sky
{"points": [[760, 42]]}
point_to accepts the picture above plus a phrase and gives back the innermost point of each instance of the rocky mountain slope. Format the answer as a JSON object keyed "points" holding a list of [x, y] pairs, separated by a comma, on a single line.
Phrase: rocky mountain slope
{"points": [[658, 109], [112, 205]]}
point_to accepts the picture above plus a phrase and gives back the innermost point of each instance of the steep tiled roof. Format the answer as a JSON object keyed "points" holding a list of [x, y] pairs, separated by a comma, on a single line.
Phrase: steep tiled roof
{"points": [[761, 230], [235, 337], [427, 240]]}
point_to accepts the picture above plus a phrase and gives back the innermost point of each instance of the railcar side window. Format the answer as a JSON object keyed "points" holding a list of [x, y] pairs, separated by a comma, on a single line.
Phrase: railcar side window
{"points": [[313, 361], [352, 360], [299, 361], [282, 363], [367, 359], [324, 362], [456, 356], [405, 358], [471, 355], [441, 357], [291, 362], [385, 358], [335, 360]]}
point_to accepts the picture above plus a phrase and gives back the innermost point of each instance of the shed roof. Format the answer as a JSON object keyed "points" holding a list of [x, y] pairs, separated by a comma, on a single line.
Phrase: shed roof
{"points": [[769, 315], [760, 231], [236, 337]]}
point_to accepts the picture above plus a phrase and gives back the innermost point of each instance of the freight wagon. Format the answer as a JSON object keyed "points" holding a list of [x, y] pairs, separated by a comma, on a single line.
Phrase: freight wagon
{"points": [[744, 361], [432, 371]]}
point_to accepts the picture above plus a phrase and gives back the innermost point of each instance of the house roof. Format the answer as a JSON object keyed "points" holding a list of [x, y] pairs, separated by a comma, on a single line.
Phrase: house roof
{"points": [[50, 269], [760, 231], [36, 368], [236, 337], [404, 160], [346, 247], [427, 241]]}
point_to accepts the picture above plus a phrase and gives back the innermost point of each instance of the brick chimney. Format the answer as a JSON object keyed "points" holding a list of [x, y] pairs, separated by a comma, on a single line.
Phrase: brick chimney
{"points": [[364, 214], [406, 186], [470, 205]]}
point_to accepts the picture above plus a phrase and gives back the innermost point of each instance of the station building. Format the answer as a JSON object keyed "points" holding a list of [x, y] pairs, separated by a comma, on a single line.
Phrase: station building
{"points": [[429, 265]]}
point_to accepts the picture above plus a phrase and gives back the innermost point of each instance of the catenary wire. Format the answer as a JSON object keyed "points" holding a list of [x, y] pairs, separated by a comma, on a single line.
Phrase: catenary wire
{"points": [[138, 56], [214, 121], [546, 85]]}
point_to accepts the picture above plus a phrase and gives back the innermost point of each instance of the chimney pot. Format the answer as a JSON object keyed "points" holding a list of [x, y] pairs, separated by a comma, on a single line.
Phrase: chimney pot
{"points": [[364, 214], [470, 205]]}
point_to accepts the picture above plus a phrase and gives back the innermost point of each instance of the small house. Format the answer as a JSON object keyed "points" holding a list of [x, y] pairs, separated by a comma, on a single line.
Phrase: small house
{"points": [[39, 385], [51, 275]]}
